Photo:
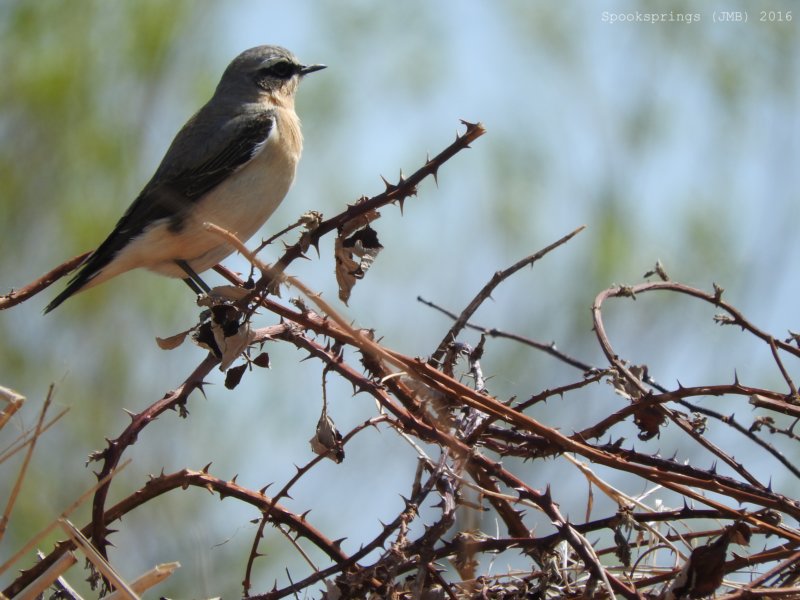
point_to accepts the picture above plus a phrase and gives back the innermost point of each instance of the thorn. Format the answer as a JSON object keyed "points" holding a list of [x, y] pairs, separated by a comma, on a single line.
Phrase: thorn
{"points": [[131, 414], [303, 515], [264, 489], [206, 468], [233, 480]]}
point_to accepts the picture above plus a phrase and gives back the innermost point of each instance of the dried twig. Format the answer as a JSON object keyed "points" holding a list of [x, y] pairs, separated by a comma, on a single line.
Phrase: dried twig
{"points": [[486, 292], [12, 497], [26, 292]]}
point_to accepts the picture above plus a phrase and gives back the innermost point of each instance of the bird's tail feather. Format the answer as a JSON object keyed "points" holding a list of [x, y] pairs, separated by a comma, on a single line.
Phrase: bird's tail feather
{"points": [[88, 271]]}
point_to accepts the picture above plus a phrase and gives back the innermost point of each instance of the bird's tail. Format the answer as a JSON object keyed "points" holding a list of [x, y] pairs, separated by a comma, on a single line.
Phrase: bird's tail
{"points": [[89, 269]]}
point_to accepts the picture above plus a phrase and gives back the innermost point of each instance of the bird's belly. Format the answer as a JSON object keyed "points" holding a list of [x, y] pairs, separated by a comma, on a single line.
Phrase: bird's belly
{"points": [[241, 205]]}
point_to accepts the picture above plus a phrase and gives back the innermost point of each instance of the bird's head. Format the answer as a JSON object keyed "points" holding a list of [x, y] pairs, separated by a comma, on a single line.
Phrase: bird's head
{"points": [[265, 70]]}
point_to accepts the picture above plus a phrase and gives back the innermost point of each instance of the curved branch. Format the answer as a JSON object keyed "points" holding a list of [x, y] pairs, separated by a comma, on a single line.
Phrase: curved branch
{"points": [[181, 480]]}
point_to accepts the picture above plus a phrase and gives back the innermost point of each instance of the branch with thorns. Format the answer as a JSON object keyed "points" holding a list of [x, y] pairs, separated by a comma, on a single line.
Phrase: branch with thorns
{"points": [[427, 402]]}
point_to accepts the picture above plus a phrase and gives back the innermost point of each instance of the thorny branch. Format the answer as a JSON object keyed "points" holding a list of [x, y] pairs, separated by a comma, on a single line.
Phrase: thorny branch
{"points": [[15, 297], [486, 293], [636, 549]]}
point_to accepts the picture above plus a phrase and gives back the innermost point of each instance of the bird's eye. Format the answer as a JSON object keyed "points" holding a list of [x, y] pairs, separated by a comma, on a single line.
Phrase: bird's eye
{"points": [[282, 70]]}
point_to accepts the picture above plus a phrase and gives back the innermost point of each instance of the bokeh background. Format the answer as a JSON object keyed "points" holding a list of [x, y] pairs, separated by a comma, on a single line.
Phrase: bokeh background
{"points": [[673, 141]]}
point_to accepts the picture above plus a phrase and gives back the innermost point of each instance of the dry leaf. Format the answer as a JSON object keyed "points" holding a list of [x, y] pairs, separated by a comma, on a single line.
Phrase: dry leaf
{"points": [[346, 268], [225, 334], [327, 440], [358, 222], [363, 245], [173, 341], [262, 360], [234, 376], [739, 533], [310, 221], [204, 337], [626, 388], [232, 345], [649, 420], [703, 572]]}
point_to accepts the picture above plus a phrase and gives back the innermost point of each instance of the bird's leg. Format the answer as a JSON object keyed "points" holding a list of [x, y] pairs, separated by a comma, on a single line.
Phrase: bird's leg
{"points": [[194, 281], [193, 286]]}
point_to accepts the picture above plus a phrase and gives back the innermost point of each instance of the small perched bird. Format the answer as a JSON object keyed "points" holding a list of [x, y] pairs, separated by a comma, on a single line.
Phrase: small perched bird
{"points": [[231, 165]]}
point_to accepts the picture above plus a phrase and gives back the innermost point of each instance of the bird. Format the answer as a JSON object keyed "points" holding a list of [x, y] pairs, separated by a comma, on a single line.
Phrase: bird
{"points": [[231, 164]]}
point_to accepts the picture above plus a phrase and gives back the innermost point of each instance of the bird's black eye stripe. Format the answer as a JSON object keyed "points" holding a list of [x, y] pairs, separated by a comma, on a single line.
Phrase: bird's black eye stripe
{"points": [[282, 70]]}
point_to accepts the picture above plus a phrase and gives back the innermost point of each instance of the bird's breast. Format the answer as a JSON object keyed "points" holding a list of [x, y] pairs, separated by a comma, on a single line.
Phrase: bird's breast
{"points": [[246, 199]]}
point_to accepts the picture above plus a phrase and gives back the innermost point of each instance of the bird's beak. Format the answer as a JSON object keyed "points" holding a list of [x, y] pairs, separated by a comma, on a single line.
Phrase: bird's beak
{"points": [[305, 70]]}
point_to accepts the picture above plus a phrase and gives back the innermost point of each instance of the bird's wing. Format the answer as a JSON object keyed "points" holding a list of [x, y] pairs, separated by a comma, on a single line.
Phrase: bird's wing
{"points": [[198, 160]]}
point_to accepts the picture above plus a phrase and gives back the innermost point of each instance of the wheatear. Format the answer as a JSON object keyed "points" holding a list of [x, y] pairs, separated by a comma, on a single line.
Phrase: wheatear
{"points": [[231, 165]]}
